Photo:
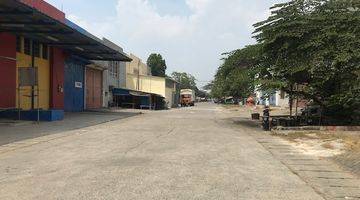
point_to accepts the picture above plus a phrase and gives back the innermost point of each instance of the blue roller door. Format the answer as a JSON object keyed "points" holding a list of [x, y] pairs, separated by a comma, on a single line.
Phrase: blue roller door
{"points": [[74, 85]]}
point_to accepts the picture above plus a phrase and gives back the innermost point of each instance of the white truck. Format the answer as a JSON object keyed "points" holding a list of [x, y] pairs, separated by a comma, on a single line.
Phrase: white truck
{"points": [[187, 97]]}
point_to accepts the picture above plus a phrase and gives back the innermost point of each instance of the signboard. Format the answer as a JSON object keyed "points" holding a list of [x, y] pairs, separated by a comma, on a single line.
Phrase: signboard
{"points": [[78, 85], [27, 76]]}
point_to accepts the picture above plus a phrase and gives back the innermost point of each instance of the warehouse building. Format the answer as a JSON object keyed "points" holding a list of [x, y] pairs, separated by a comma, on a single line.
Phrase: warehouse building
{"points": [[46, 62], [139, 78]]}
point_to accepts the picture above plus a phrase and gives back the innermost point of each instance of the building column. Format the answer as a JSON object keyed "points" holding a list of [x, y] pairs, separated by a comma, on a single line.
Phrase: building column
{"points": [[7, 71], [57, 65]]}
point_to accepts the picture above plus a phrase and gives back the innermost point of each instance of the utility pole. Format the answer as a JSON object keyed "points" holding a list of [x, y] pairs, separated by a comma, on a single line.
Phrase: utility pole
{"points": [[138, 75], [33, 66]]}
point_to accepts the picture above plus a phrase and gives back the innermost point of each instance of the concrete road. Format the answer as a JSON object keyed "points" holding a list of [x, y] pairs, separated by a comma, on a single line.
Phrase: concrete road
{"points": [[23, 130], [187, 153]]}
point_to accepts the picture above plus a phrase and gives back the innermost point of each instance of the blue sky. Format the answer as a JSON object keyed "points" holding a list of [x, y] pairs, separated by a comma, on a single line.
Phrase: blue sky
{"points": [[190, 34]]}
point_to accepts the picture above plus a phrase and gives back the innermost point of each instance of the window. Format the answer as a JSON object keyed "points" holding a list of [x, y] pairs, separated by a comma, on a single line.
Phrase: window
{"points": [[36, 49], [18, 44], [113, 66], [27, 46], [116, 68], [45, 52]]}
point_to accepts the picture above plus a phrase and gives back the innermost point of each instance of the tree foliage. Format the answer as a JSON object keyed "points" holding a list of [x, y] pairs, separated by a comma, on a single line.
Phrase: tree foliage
{"points": [[157, 65], [235, 77], [209, 86], [314, 43], [187, 81]]}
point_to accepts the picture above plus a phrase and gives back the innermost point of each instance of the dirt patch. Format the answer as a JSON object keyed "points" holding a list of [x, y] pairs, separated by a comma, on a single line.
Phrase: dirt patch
{"points": [[341, 147], [318, 147], [328, 145]]}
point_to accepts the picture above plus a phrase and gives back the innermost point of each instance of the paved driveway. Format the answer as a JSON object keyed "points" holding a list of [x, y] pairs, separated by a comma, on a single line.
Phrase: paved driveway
{"points": [[185, 154], [27, 130]]}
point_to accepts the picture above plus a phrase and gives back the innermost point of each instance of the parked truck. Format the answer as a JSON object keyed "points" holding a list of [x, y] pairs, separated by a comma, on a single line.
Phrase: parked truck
{"points": [[187, 97]]}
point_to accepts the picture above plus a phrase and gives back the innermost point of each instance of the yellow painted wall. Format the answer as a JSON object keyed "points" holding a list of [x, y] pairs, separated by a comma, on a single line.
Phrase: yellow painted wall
{"points": [[169, 96], [136, 66], [43, 66], [150, 84]]}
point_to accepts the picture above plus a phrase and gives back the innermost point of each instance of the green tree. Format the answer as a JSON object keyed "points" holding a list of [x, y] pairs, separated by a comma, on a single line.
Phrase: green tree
{"points": [[187, 81], [235, 77], [157, 65], [209, 86], [202, 94], [314, 43]]}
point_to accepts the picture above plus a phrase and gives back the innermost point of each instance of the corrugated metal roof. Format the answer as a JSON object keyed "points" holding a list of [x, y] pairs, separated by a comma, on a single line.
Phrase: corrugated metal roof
{"points": [[21, 19]]}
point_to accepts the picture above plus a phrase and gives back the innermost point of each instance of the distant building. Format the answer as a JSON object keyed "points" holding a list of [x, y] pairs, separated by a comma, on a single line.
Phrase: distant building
{"points": [[138, 77], [279, 98], [114, 76], [137, 67], [172, 92], [48, 65]]}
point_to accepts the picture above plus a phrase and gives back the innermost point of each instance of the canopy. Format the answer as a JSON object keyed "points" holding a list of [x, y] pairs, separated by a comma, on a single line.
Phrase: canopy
{"points": [[21, 19], [128, 92]]}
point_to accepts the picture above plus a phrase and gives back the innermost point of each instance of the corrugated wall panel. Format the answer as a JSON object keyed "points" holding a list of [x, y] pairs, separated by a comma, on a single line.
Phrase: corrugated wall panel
{"points": [[93, 88], [7, 71], [57, 61], [98, 88], [74, 86], [43, 67]]}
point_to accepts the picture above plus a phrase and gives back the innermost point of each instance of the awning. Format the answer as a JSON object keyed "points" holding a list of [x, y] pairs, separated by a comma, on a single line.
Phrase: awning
{"points": [[120, 92], [21, 19], [140, 94]]}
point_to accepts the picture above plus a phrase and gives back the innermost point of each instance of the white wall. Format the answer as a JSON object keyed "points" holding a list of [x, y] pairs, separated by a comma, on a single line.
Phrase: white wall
{"points": [[108, 80], [277, 99], [122, 75], [282, 102]]}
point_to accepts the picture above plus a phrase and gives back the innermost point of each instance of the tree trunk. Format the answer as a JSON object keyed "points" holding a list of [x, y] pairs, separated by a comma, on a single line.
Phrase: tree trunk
{"points": [[291, 99]]}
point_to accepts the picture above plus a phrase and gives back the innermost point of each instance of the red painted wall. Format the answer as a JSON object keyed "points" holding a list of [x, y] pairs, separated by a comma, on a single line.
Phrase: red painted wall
{"points": [[46, 8], [7, 71], [57, 64]]}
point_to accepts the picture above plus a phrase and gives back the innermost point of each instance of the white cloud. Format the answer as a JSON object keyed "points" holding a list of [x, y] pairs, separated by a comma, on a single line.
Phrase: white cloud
{"points": [[189, 43]]}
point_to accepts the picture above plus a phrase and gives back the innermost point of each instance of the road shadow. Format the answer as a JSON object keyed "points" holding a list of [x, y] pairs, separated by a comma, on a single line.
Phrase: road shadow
{"points": [[244, 122], [22, 131]]}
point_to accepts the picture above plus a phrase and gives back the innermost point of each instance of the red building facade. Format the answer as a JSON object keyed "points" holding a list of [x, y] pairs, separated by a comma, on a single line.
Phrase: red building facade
{"points": [[7, 70]]}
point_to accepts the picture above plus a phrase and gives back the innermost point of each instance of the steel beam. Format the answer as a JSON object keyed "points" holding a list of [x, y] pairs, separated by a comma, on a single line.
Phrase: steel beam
{"points": [[69, 44], [37, 31], [16, 12], [27, 23]]}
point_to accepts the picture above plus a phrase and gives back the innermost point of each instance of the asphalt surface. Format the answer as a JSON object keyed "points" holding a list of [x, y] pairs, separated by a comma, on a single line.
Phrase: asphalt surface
{"points": [[188, 153]]}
